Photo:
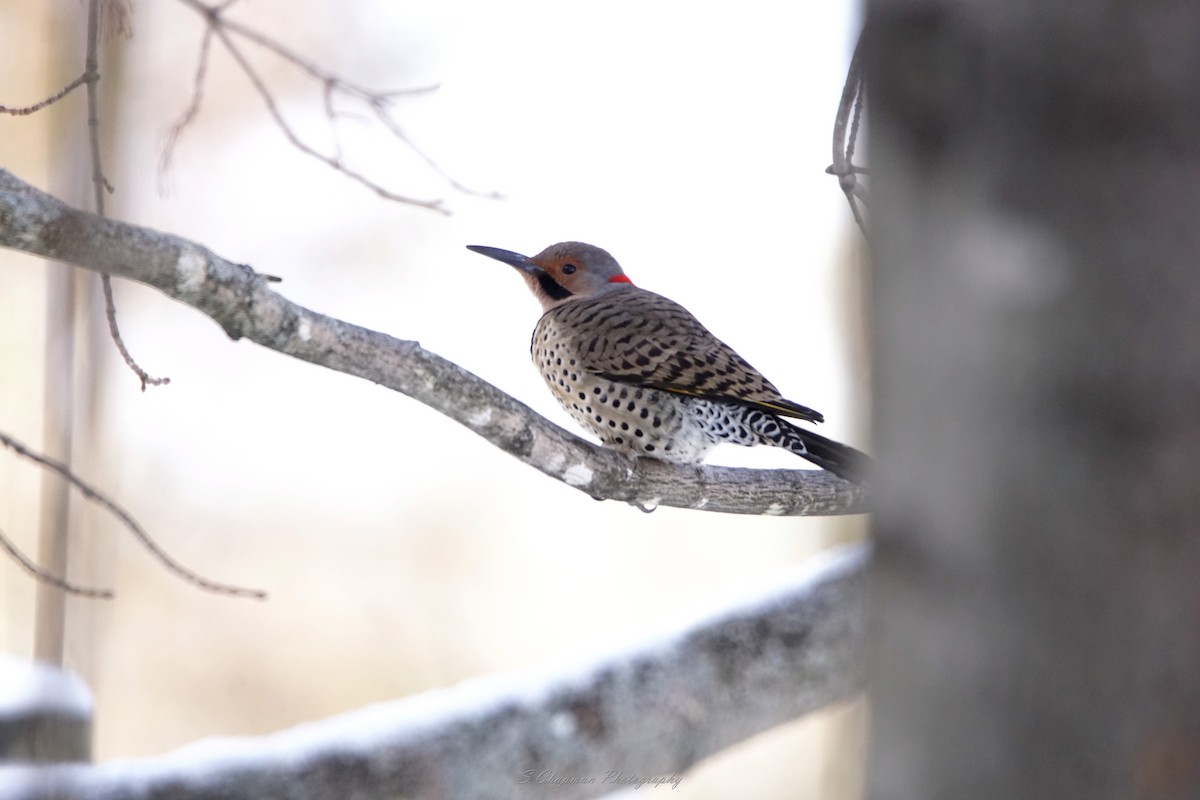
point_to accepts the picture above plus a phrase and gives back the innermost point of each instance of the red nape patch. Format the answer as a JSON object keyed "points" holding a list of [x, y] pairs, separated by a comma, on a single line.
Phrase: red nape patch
{"points": [[619, 279]]}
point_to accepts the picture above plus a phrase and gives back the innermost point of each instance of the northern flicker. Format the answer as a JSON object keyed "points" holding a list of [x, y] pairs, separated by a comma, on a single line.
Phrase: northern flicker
{"points": [[645, 376]]}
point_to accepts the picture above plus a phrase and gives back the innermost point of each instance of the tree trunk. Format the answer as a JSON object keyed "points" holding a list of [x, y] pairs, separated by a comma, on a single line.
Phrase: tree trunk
{"points": [[1036, 212]]}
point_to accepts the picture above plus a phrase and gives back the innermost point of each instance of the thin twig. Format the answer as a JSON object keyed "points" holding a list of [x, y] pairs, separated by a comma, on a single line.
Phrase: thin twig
{"points": [[26, 110], [845, 137], [189, 114], [331, 86], [852, 141], [100, 184], [127, 519], [295, 59], [45, 577], [273, 109], [91, 77], [110, 313], [379, 106]]}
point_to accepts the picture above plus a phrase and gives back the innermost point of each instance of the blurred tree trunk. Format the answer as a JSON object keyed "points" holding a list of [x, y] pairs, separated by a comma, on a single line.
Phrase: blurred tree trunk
{"points": [[66, 151], [1036, 602]]}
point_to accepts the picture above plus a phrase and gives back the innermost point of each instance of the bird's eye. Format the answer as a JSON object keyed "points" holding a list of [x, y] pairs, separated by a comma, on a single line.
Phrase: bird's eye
{"points": [[568, 269]]}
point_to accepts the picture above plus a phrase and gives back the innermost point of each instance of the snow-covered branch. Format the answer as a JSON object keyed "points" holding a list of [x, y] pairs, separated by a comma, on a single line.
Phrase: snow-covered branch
{"points": [[241, 301], [642, 715]]}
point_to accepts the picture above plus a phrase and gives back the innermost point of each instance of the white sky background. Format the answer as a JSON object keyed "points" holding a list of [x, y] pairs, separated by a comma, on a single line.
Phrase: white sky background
{"points": [[689, 139]]}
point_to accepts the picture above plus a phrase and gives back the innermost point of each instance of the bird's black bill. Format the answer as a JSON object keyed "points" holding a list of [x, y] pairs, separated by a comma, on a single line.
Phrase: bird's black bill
{"points": [[508, 257], [552, 288]]}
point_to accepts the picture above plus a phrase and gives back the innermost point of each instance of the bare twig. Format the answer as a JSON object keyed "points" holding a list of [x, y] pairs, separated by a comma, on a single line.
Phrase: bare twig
{"points": [[189, 114], [273, 109], [110, 313], [128, 521], [47, 578], [100, 184], [91, 77], [243, 303], [54, 98], [643, 715], [845, 138], [295, 59], [379, 105], [331, 86]]}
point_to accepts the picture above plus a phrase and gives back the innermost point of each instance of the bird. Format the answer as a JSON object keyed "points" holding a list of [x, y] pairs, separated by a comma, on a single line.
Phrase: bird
{"points": [[645, 376]]}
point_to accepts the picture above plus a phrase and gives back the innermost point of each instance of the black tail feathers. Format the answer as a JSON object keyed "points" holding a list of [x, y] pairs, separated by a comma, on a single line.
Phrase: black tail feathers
{"points": [[840, 459]]}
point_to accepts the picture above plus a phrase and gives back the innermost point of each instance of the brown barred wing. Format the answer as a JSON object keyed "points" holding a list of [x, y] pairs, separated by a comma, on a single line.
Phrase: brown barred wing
{"points": [[639, 338]]}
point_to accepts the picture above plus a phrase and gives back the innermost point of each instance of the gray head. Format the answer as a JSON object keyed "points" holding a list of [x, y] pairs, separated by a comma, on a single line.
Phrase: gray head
{"points": [[563, 272]]}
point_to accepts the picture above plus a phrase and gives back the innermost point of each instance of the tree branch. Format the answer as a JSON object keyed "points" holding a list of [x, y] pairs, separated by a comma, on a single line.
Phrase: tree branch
{"points": [[224, 30], [101, 184], [23, 111], [29, 565], [242, 303], [648, 713], [845, 136], [126, 519]]}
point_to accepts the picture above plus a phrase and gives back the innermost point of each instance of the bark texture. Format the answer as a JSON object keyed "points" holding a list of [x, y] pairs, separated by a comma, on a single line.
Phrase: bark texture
{"points": [[1036, 605]]}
